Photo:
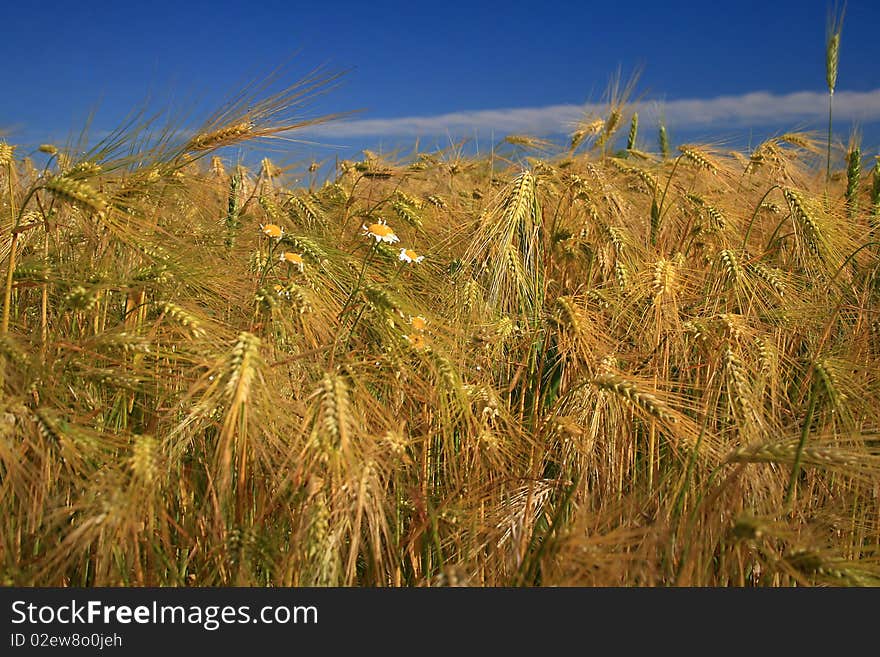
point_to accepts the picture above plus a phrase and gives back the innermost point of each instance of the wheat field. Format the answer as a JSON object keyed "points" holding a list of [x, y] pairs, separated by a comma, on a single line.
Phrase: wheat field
{"points": [[539, 365]]}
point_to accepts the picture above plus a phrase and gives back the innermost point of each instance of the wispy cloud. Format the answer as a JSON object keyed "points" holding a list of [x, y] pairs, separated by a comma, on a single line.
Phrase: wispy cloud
{"points": [[753, 109]]}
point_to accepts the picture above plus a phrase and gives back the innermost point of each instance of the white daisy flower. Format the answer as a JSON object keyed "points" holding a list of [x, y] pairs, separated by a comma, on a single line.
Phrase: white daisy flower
{"points": [[408, 255], [292, 259], [272, 230], [381, 232]]}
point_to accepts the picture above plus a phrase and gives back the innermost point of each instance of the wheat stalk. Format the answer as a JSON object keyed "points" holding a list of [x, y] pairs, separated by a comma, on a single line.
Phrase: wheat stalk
{"points": [[6, 154], [182, 316], [716, 215], [787, 451], [832, 60], [307, 207], [612, 123], [407, 213], [225, 136], [698, 157], [730, 263], [621, 275], [827, 376], [631, 392], [740, 385], [337, 424], [79, 192], [807, 220], [568, 315], [665, 276]]}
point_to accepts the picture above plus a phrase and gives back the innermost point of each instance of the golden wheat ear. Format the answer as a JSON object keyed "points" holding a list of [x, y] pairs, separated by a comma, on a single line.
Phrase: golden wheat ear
{"points": [[251, 116]]}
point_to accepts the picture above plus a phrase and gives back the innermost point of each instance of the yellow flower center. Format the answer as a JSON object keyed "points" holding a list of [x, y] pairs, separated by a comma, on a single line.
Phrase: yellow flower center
{"points": [[380, 230], [293, 258], [272, 230], [418, 323], [412, 255]]}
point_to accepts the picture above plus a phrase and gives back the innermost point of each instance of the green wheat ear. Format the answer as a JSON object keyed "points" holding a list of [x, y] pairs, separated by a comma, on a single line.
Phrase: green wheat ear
{"points": [[832, 60], [663, 138], [853, 175], [875, 190], [832, 54], [633, 132]]}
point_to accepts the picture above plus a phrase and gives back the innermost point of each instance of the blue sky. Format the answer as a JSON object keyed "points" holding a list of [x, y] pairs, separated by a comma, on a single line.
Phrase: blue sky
{"points": [[417, 68]]}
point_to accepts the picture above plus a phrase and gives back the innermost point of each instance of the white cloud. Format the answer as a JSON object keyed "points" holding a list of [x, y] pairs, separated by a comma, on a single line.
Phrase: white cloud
{"points": [[753, 109]]}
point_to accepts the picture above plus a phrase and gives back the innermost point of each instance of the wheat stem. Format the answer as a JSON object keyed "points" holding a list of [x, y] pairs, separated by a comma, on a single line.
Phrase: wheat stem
{"points": [[805, 431], [830, 123], [832, 59], [7, 294], [754, 215]]}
